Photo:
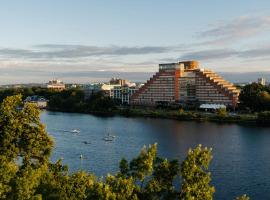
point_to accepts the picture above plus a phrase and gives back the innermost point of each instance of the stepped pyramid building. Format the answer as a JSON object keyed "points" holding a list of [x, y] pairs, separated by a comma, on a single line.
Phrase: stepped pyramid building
{"points": [[186, 83]]}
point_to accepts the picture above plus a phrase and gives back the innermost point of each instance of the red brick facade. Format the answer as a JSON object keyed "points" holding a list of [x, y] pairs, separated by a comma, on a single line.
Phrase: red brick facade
{"points": [[184, 82]]}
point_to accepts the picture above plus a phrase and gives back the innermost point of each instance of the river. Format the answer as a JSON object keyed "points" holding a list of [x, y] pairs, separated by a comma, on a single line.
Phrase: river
{"points": [[241, 163]]}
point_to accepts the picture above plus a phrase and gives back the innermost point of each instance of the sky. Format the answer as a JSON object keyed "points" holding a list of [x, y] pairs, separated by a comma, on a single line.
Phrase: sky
{"points": [[92, 40]]}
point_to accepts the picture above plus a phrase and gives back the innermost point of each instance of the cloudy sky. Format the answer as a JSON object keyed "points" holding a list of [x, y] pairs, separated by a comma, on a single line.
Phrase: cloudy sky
{"points": [[93, 40]]}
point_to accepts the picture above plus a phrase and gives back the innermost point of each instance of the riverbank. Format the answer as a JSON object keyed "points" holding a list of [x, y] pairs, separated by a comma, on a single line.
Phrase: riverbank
{"points": [[174, 114], [190, 115]]}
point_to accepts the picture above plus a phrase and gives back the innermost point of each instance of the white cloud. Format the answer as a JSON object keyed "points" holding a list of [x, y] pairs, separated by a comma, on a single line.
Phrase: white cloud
{"points": [[237, 29]]}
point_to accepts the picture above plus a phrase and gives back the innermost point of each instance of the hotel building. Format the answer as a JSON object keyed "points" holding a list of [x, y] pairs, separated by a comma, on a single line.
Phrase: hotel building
{"points": [[185, 83]]}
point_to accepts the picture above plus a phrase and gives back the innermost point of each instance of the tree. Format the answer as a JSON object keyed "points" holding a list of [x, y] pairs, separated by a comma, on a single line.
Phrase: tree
{"points": [[154, 175], [196, 178], [142, 166], [255, 96], [222, 112], [264, 118], [264, 100], [25, 148], [161, 185], [100, 102]]}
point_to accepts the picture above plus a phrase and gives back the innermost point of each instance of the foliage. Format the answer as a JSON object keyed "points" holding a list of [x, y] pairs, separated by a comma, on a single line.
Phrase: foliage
{"points": [[70, 100], [25, 149], [256, 97], [264, 118], [222, 113], [161, 185], [25, 92], [195, 176], [99, 102]]}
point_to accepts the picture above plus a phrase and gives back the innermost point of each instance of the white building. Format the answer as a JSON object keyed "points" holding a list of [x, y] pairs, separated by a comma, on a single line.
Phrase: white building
{"points": [[123, 93], [56, 85], [262, 81], [107, 88], [39, 101]]}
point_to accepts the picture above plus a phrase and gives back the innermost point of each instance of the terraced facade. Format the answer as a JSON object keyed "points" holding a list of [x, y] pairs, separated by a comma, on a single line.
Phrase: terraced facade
{"points": [[185, 82]]}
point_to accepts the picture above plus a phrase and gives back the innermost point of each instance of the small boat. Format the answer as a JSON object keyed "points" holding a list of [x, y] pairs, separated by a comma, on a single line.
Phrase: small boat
{"points": [[113, 136], [85, 142], [109, 137], [75, 131]]}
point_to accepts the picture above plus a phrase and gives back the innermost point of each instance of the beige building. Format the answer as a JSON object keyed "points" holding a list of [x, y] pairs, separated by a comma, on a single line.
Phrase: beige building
{"points": [[56, 85], [116, 84], [262, 81], [185, 82], [107, 88], [118, 81]]}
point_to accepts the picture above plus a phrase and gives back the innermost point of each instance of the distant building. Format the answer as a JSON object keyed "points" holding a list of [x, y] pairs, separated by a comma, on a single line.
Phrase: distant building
{"points": [[107, 88], [262, 81], [185, 83], [118, 81], [71, 86], [56, 85], [124, 93], [119, 89], [91, 89], [41, 102]]}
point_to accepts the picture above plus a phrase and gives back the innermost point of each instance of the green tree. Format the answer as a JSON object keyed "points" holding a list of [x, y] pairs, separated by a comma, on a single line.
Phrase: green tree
{"points": [[100, 102], [255, 96], [195, 175], [161, 185], [25, 148], [264, 118], [142, 166], [264, 100], [222, 112]]}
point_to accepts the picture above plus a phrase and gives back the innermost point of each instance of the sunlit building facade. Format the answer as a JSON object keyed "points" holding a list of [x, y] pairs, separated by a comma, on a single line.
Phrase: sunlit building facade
{"points": [[186, 83], [56, 85]]}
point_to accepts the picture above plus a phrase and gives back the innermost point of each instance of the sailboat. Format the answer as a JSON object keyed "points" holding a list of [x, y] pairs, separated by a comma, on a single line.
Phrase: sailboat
{"points": [[109, 137]]}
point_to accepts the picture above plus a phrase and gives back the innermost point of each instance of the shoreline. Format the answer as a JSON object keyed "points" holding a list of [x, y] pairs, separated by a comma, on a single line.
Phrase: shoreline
{"points": [[243, 119]]}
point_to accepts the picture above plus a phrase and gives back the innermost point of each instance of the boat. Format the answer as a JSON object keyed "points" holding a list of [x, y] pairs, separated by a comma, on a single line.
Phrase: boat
{"points": [[109, 137], [75, 131]]}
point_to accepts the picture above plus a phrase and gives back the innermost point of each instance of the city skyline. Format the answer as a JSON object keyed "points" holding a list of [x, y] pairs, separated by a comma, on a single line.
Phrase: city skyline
{"points": [[93, 40]]}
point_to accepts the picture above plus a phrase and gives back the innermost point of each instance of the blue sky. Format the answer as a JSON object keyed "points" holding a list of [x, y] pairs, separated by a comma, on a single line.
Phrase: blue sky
{"points": [[91, 40]]}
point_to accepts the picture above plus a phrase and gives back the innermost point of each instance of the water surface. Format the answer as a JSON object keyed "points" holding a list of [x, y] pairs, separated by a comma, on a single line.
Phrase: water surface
{"points": [[241, 162]]}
